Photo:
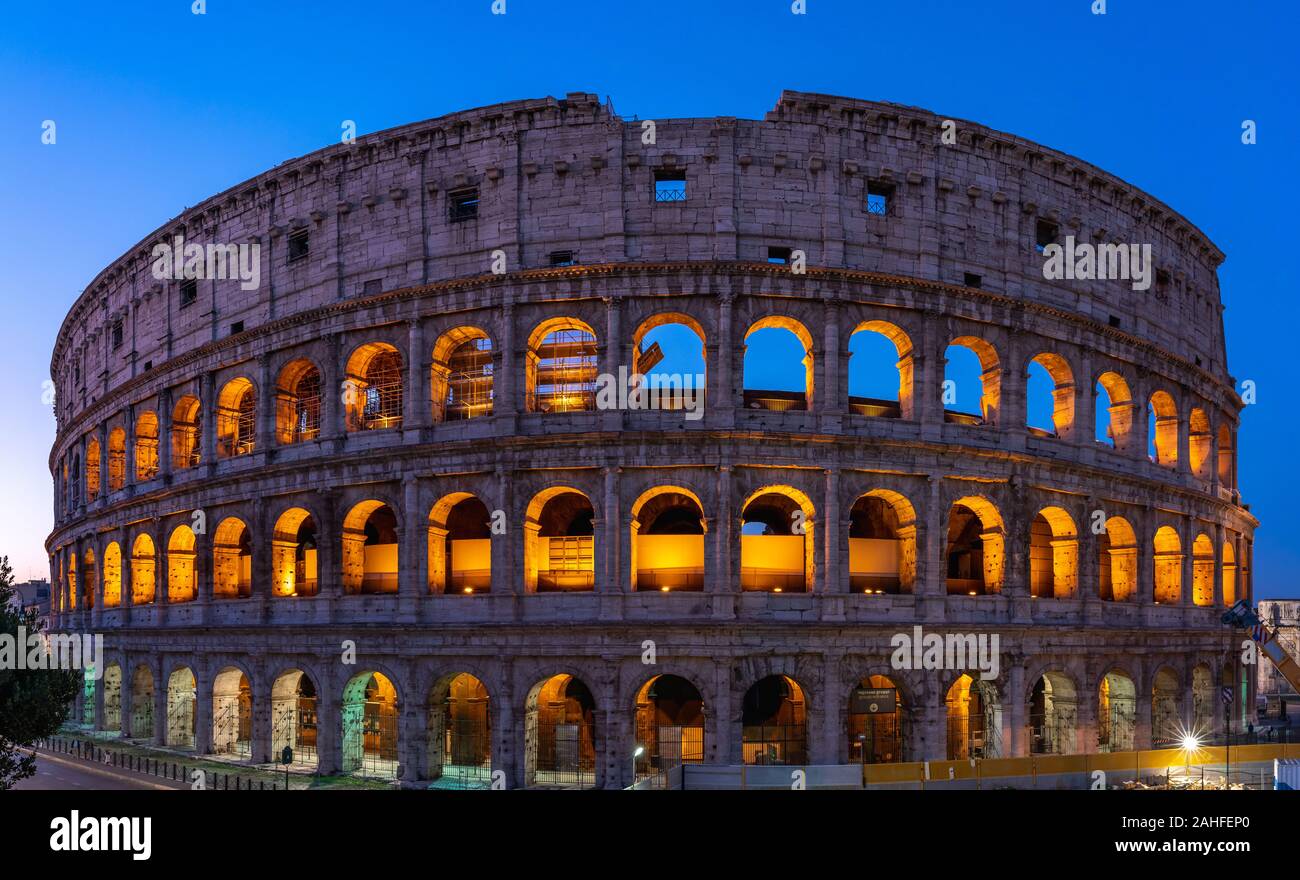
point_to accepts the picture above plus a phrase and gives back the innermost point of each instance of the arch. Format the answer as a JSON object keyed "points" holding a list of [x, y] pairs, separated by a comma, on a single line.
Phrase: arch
{"points": [[460, 545], [868, 359], [1053, 711], [1053, 555], [181, 695], [1203, 571], [776, 541], [112, 566], [144, 560], [974, 717], [1199, 443], [461, 375], [990, 368], [1116, 713], [776, 399], [561, 366], [559, 542], [976, 547], [232, 560], [371, 554], [88, 578], [116, 459], [560, 734], [236, 418], [882, 543], [1168, 587], [670, 725], [298, 402], [1166, 716], [875, 722], [294, 722], [372, 388], [1117, 567], [774, 722], [1225, 462], [1062, 397], [370, 727], [92, 469], [187, 428], [1229, 574], [113, 697], [142, 703], [146, 446], [668, 338], [459, 732], [667, 544], [1163, 429], [294, 557], [182, 578], [1114, 411], [232, 713]]}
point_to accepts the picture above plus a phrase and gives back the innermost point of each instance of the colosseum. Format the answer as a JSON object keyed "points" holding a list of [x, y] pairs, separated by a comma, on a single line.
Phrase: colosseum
{"points": [[375, 505]]}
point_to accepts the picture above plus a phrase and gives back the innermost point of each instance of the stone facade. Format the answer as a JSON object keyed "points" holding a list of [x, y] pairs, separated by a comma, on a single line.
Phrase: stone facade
{"points": [[391, 258]]}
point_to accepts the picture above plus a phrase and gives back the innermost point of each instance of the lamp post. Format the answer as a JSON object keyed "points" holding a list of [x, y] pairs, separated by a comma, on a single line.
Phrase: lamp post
{"points": [[638, 752], [862, 751]]}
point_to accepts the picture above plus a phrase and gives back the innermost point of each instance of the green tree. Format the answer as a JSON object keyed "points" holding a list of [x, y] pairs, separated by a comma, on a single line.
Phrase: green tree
{"points": [[33, 702]]}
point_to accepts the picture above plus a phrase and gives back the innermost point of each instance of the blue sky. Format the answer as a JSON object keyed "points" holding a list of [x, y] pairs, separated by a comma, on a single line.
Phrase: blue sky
{"points": [[158, 108]]}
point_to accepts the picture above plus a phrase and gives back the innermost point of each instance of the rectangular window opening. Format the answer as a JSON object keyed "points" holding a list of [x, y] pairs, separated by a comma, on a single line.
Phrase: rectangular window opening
{"points": [[779, 255], [879, 195], [563, 258], [299, 244], [189, 292], [462, 204], [117, 334], [1045, 232], [973, 280], [670, 185]]}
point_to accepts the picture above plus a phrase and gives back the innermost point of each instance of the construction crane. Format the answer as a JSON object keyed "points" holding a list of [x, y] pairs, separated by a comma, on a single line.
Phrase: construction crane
{"points": [[1241, 615]]}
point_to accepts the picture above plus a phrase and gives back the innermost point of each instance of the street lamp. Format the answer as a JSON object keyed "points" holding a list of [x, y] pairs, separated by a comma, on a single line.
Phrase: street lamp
{"points": [[640, 750]]}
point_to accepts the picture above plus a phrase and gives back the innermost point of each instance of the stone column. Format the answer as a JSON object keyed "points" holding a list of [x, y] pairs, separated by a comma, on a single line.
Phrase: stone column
{"points": [[165, 434], [505, 574], [610, 358], [331, 391], [1218, 565], [1184, 467], [832, 579], [927, 370], [129, 481], [202, 707], [724, 583], [1013, 705], [830, 747], [159, 733], [208, 411], [830, 399], [413, 561], [263, 718], [265, 442], [329, 549], [328, 717], [506, 381], [161, 581], [417, 409], [932, 566], [722, 393], [1142, 727], [413, 743], [128, 699]]}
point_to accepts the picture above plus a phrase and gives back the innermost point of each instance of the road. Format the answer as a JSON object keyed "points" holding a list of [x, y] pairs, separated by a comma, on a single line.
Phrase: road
{"points": [[62, 773]]}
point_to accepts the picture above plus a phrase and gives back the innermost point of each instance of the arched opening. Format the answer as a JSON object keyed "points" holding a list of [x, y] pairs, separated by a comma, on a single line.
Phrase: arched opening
{"points": [[1162, 429], [1203, 571], [1116, 713], [1203, 707], [776, 545], [1050, 397], [1229, 574], [669, 725], [668, 350], [667, 541], [1168, 567], [236, 418], [293, 717], [1225, 457], [1053, 555], [116, 459], [975, 551], [370, 726], [882, 544], [142, 701], [1114, 411], [1053, 711], [293, 554], [146, 446], [559, 542], [881, 371], [372, 389], [232, 714], [560, 734], [461, 375], [1117, 567], [144, 561], [774, 722], [778, 365], [182, 579], [974, 719], [460, 545], [113, 698], [460, 733], [370, 549], [232, 560], [1199, 443], [180, 709], [92, 469], [972, 382], [561, 367], [1166, 717], [875, 722], [112, 575], [186, 431], [298, 402], [88, 581]]}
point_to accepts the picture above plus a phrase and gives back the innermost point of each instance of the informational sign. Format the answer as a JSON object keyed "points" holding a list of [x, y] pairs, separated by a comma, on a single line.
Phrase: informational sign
{"points": [[873, 701], [1226, 693]]}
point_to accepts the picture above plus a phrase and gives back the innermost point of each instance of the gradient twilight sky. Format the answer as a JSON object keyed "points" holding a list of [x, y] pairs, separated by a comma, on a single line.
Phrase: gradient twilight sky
{"points": [[158, 108]]}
